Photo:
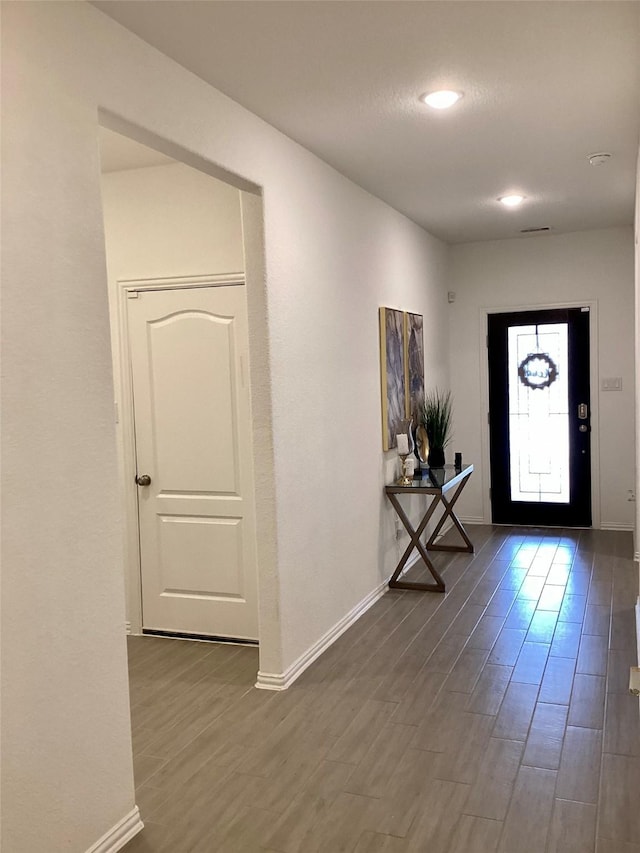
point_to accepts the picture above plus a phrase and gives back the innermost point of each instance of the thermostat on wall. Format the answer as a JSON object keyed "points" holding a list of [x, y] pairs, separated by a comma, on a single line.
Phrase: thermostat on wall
{"points": [[614, 383]]}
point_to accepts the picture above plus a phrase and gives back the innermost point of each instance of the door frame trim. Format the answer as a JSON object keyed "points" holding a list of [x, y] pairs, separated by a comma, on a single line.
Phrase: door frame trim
{"points": [[124, 414], [484, 311]]}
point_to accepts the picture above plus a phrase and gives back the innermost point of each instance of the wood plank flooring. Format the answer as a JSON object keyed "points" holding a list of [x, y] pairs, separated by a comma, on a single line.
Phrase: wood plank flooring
{"points": [[492, 719]]}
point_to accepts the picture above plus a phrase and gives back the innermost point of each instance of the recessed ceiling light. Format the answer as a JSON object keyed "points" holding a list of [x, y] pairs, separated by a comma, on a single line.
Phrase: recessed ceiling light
{"points": [[599, 159], [511, 200], [441, 100]]}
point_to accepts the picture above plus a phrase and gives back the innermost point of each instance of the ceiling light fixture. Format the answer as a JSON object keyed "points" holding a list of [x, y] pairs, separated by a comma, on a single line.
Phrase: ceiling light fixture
{"points": [[442, 99], [511, 200], [599, 159]]}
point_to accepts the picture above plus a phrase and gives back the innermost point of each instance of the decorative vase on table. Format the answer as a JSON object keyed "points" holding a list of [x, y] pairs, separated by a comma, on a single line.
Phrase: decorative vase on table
{"points": [[435, 459]]}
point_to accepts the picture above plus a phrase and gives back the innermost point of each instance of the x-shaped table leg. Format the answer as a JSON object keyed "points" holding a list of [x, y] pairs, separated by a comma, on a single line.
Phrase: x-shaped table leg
{"points": [[449, 513], [415, 542]]}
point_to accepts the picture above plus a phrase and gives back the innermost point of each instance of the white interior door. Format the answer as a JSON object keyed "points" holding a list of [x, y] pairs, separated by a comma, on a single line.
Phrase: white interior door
{"points": [[189, 360]]}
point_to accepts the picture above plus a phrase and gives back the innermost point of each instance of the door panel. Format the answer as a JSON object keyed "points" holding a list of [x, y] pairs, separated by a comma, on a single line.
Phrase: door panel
{"points": [[200, 538], [192, 425], [188, 352], [539, 417]]}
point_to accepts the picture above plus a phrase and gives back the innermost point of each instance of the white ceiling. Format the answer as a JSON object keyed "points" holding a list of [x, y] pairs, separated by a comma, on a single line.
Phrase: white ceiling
{"points": [[545, 84]]}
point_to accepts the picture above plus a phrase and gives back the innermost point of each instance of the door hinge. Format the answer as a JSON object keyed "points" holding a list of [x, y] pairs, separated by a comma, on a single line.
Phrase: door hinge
{"points": [[132, 294], [489, 418], [486, 341]]}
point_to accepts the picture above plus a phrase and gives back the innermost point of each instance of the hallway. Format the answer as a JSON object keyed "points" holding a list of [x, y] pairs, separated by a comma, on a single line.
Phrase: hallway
{"points": [[494, 718]]}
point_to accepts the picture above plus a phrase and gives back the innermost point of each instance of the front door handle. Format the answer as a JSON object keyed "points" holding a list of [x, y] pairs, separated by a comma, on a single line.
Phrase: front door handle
{"points": [[143, 479]]}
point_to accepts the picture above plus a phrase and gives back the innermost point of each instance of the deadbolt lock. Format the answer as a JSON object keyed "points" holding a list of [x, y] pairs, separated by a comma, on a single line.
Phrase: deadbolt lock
{"points": [[583, 411]]}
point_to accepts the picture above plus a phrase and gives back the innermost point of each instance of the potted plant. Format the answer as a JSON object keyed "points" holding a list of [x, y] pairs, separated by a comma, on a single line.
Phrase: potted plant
{"points": [[437, 421]]}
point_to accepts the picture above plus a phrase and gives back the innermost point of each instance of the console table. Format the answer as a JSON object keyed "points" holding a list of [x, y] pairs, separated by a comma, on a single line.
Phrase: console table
{"points": [[436, 482]]}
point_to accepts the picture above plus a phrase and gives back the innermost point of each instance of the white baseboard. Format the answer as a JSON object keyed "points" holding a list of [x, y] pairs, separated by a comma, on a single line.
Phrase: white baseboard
{"points": [[282, 680], [605, 525], [120, 834]]}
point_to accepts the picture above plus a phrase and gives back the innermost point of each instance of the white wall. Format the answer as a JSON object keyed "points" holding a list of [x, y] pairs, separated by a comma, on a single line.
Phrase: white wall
{"points": [[160, 222], [637, 354], [170, 220], [593, 266], [333, 254], [66, 751]]}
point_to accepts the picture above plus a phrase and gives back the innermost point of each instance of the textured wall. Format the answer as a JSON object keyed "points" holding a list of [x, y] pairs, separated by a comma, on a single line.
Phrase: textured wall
{"points": [[66, 753], [333, 254], [170, 221], [594, 266], [637, 332]]}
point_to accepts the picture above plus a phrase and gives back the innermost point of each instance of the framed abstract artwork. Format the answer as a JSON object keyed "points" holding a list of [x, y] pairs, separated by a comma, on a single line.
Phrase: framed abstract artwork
{"points": [[414, 365], [392, 374]]}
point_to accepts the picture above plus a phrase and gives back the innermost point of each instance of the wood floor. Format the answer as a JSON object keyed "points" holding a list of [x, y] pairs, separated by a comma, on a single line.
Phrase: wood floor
{"points": [[493, 719]]}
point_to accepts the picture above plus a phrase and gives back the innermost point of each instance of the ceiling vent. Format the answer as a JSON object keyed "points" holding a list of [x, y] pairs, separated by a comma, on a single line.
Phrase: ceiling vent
{"points": [[545, 229]]}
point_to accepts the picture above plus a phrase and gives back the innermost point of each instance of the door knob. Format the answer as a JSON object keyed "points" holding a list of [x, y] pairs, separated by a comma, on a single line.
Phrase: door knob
{"points": [[143, 480]]}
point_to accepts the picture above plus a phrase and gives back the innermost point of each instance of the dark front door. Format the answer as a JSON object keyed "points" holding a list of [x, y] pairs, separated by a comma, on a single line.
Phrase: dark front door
{"points": [[539, 415]]}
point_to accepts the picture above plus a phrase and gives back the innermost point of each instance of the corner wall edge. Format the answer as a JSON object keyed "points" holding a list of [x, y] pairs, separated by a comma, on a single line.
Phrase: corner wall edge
{"points": [[282, 680]]}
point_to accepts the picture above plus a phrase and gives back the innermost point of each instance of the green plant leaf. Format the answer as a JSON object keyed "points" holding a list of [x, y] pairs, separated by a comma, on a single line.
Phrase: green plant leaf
{"points": [[437, 412]]}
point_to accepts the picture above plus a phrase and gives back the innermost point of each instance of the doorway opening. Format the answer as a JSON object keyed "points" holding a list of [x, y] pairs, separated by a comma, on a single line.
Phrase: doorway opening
{"points": [[176, 261], [540, 417]]}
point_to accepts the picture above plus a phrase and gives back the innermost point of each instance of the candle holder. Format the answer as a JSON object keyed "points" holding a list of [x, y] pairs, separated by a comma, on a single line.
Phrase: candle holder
{"points": [[405, 449], [404, 479]]}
